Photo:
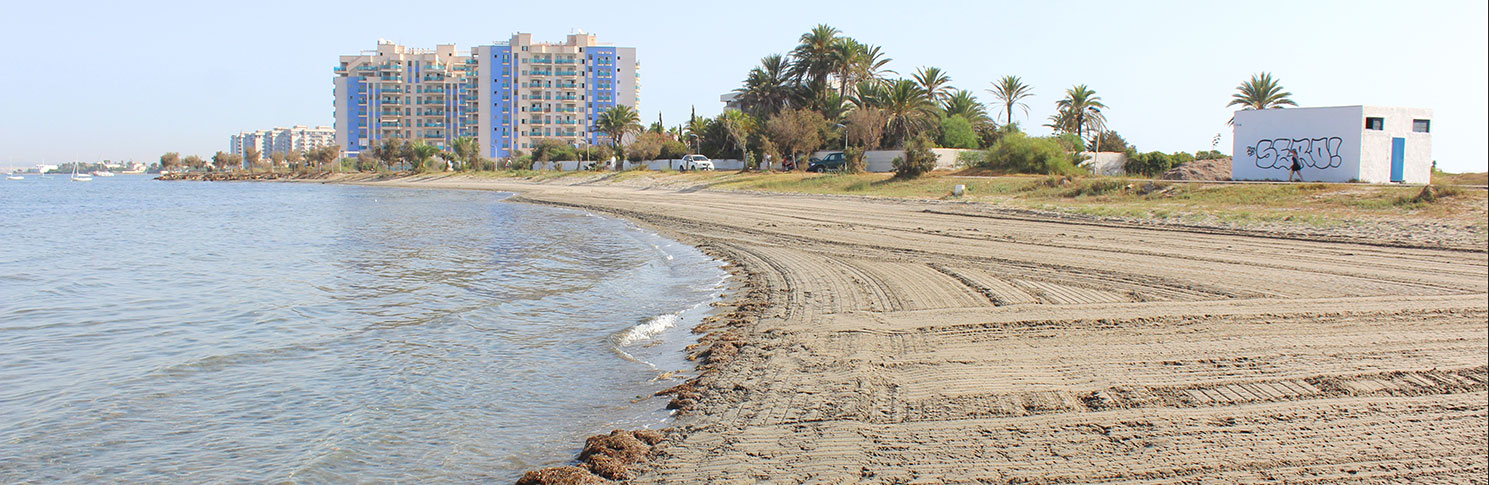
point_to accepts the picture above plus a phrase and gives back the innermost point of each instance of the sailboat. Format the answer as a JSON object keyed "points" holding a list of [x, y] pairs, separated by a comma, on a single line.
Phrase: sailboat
{"points": [[79, 177], [14, 177], [103, 173]]}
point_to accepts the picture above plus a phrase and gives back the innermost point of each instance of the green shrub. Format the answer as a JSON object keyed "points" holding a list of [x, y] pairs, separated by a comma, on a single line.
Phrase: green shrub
{"points": [[854, 160], [1017, 153], [1099, 186], [918, 159], [1208, 155], [1071, 142], [970, 158], [957, 132]]}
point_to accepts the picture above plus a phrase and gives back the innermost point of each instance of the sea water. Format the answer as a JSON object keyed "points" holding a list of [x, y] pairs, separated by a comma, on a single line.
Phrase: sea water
{"points": [[204, 332]]}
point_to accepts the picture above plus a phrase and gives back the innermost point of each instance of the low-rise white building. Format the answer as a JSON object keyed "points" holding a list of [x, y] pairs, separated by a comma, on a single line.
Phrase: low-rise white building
{"points": [[1334, 144]]}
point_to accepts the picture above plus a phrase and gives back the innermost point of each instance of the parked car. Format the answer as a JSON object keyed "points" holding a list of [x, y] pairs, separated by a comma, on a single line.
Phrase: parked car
{"points": [[832, 162], [696, 162]]}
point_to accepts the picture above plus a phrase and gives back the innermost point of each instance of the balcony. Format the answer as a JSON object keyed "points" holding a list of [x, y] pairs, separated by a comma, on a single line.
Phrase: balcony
{"points": [[567, 73], [566, 98], [540, 73], [432, 124], [535, 121], [391, 101], [434, 135]]}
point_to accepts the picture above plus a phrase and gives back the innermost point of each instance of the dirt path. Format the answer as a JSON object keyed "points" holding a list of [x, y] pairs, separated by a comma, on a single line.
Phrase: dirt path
{"points": [[901, 343]]}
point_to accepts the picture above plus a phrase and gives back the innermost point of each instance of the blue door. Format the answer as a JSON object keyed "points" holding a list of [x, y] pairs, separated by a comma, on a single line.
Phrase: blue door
{"points": [[1398, 159]]}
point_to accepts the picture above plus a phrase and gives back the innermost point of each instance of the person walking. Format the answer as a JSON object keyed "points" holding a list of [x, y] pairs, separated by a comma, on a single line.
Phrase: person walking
{"points": [[1297, 168]]}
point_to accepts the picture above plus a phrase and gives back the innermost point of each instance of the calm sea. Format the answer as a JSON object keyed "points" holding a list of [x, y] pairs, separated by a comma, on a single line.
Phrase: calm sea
{"points": [[205, 332]]}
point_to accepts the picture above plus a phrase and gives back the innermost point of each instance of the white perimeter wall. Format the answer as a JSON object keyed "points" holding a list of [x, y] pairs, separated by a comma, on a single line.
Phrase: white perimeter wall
{"points": [[1375, 146], [1327, 141], [883, 160]]}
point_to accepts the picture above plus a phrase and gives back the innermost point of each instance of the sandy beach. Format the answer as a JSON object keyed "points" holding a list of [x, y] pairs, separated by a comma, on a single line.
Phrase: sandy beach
{"points": [[917, 341]]}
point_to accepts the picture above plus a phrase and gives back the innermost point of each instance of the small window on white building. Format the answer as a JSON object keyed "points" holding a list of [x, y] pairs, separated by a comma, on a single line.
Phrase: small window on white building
{"points": [[1375, 123], [1421, 126]]}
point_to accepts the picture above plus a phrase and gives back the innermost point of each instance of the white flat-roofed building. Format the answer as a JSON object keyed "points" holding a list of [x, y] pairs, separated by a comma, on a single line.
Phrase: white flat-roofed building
{"points": [[1334, 144]]}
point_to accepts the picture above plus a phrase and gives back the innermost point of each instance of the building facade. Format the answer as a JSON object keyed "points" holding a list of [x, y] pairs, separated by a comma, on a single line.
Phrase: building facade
{"points": [[1334, 144], [282, 140], [506, 95]]}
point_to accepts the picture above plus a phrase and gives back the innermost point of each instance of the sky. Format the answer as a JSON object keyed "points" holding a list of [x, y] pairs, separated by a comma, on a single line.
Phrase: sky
{"points": [[132, 80]]}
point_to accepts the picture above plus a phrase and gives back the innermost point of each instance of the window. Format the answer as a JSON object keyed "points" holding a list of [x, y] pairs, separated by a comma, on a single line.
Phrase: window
{"points": [[1421, 126], [1375, 123]]}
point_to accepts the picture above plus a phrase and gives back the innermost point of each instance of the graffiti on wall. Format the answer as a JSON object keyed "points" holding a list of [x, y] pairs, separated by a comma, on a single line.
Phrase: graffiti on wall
{"points": [[1318, 153]]}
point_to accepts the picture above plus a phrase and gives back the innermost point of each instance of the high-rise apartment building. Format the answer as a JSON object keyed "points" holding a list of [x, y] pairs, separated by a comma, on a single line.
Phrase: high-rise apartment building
{"points": [[282, 140], [507, 95]]}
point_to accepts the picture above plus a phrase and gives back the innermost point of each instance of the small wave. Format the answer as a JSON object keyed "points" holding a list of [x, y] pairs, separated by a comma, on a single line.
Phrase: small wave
{"points": [[649, 329]]}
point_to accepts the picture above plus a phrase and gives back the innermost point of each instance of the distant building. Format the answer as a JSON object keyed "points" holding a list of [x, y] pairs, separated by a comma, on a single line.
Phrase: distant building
{"points": [[282, 140], [1335, 144], [507, 95], [730, 100]]}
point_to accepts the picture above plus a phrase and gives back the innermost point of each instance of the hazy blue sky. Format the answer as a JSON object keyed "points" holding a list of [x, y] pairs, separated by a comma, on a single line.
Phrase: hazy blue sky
{"points": [[130, 80]]}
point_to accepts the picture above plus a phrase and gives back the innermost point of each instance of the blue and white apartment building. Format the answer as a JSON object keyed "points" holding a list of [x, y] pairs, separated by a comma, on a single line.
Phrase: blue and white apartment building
{"points": [[507, 95]]}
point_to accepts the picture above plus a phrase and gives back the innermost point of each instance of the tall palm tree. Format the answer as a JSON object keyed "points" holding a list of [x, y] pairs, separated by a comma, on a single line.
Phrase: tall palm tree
{"points": [[965, 104], [1082, 104], [1011, 91], [617, 122], [934, 82], [767, 88], [1261, 92], [908, 110], [814, 56]]}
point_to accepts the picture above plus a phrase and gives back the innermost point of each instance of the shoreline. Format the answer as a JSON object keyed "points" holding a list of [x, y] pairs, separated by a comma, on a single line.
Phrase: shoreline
{"points": [[874, 340], [612, 456]]}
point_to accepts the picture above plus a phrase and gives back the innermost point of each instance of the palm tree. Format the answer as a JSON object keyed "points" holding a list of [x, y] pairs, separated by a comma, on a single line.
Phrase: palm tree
{"points": [[467, 149], [617, 122], [767, 88], [934, 82], [965, 104], [421, 154], [814, 56], [1011, 91], [1082, 104], [1063, 121], [908, 110], [695, 131], [1261, 92]]}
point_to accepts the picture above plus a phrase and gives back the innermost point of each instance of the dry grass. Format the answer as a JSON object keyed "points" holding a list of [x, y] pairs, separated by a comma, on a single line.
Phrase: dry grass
{"points": [[1318, 204]]}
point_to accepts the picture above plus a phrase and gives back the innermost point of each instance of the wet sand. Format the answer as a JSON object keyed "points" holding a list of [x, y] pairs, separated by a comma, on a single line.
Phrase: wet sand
{"points": [[898, 341]]}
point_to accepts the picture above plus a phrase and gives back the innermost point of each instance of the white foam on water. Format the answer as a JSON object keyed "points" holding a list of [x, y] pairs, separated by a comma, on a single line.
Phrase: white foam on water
{"points": [[649, 329]]}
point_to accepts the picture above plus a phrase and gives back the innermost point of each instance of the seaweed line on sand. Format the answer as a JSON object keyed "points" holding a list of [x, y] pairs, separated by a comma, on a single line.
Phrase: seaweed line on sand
{"points": [[624, 454]]}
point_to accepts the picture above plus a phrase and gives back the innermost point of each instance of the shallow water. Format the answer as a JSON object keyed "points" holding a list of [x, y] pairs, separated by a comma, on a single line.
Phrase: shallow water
{"points": [[182, 331]]}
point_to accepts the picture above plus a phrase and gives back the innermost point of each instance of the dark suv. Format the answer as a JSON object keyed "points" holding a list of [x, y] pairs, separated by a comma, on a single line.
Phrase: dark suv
{"points": [[832, 162]]}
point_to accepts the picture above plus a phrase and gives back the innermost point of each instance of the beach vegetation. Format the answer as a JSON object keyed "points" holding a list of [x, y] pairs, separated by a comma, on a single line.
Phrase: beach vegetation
{"points": [[617, 122], [251, 157], [1011, 91], [170, 161], [1262, 91], [1019, 153], [648, 146], [797, 132], [1078, 111], [918, 159], [957, 132]]}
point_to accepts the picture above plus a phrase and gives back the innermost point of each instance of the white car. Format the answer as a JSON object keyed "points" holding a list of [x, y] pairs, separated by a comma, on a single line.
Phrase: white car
{"points": [[696, 162]]}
